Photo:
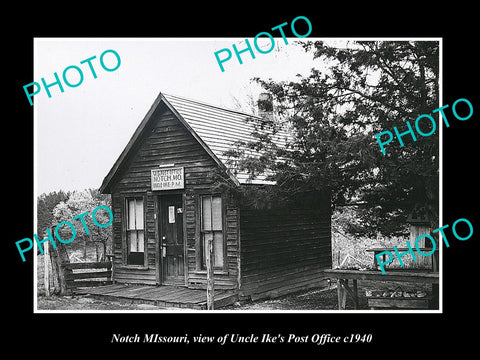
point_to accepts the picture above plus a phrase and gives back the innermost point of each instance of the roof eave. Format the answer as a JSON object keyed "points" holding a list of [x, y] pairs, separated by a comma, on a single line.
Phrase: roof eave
{"points": [[105, 188], [201, 142]]}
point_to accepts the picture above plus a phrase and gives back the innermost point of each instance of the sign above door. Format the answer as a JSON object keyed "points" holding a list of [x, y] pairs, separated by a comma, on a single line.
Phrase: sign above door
{"points": [[168, 178]]}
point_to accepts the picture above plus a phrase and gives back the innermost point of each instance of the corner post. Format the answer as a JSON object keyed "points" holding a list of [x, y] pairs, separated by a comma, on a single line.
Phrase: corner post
{"points": [[210, 277]]}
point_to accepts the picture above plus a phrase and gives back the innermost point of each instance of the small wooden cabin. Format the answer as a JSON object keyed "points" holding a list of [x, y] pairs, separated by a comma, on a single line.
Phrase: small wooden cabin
{"points": [[166, 203]]}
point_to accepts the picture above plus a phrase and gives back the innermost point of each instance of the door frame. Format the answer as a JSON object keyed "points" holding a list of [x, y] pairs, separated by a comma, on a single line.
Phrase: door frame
{"points": [[158, 198]]}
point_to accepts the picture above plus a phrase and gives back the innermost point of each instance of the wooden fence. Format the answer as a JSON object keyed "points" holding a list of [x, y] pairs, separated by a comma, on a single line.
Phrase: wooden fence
{"points": [[81, 274]]}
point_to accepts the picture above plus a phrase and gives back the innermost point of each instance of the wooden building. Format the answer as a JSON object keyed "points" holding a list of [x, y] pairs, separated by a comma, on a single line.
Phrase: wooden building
{"points": [[167, 202]]}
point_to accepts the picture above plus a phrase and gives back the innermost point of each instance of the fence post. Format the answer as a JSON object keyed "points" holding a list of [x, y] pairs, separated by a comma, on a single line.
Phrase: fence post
{"points": [[61, 258], [46, 269], [210, 278]]}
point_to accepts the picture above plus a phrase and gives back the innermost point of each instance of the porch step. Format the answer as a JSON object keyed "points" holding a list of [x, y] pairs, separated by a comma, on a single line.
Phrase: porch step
{"points": [[162, 296]]}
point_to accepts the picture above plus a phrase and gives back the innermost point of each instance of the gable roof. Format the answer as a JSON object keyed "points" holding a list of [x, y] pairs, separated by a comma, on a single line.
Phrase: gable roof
{"points": [[215, 128]]}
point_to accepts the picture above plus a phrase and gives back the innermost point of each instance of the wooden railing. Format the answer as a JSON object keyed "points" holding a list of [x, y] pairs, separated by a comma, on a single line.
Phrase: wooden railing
{"points": [[80, 274]]}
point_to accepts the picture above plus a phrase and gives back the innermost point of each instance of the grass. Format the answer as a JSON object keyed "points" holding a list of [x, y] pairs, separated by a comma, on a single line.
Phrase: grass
{"points": [[312, 299], [315, 299], [86, 303], [326, 299]]}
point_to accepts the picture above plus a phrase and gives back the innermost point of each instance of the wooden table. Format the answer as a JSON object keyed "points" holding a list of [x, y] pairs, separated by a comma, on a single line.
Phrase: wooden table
{"points": [[344, 276]]}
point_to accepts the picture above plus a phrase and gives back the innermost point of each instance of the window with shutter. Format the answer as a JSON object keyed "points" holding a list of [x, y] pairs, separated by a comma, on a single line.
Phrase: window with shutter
{"points": [[135, 232], [212, 228]]}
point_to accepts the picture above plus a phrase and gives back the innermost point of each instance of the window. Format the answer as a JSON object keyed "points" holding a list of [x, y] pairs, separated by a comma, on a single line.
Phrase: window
{"points": [[212, 228], [135, 232]]}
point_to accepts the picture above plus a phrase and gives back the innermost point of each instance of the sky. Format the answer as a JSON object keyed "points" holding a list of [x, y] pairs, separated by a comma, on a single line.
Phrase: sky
{"points": [[79, 133]]}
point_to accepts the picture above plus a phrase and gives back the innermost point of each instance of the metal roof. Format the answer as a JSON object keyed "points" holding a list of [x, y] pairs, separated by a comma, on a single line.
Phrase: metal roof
{"points": [[216, 128]]}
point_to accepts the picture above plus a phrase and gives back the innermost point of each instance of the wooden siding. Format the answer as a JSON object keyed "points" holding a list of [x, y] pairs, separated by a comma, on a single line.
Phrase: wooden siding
{"points": [[268, 252], [165, 140], [216, 129], [228, 277], [101, 274], [283, 250], [132, 273]]}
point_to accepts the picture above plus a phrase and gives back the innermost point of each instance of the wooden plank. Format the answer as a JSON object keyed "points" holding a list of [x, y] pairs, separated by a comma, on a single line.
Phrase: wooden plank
{"points": [[127, 292], [274, 290], [162, 293], [72, 284], [150, 280], [137, 282], [169, 296], [185, 244], [132, 290], [224, 280], [299, 248], [156, 224], [198, 246], [260, 220], [286, 276], [203, 286], [291, 231], [89, 265], [284, 263], [195, 296], [140, 279], [406, 276], [135, 274], [285, 255], [167, 290], [355, 294], [89, 275], [174, 296], [259, 268], [105, 289], [145, 292]]}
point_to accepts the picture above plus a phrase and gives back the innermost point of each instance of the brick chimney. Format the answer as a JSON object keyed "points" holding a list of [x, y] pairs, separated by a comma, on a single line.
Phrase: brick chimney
{"points": [[265, 106]]}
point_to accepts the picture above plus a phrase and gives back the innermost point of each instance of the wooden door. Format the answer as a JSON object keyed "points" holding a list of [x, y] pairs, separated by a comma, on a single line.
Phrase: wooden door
{"points": [[171, 239]]}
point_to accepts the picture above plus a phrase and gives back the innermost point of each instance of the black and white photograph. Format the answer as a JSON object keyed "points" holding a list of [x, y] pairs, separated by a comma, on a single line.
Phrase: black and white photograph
{"points": [[257, 188], [280, 183]]}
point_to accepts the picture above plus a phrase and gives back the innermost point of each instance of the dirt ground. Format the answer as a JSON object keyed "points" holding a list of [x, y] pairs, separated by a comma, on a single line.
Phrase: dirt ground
{"points": [[308, 300], [313, 299], [87, 303], [322, 299]]}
